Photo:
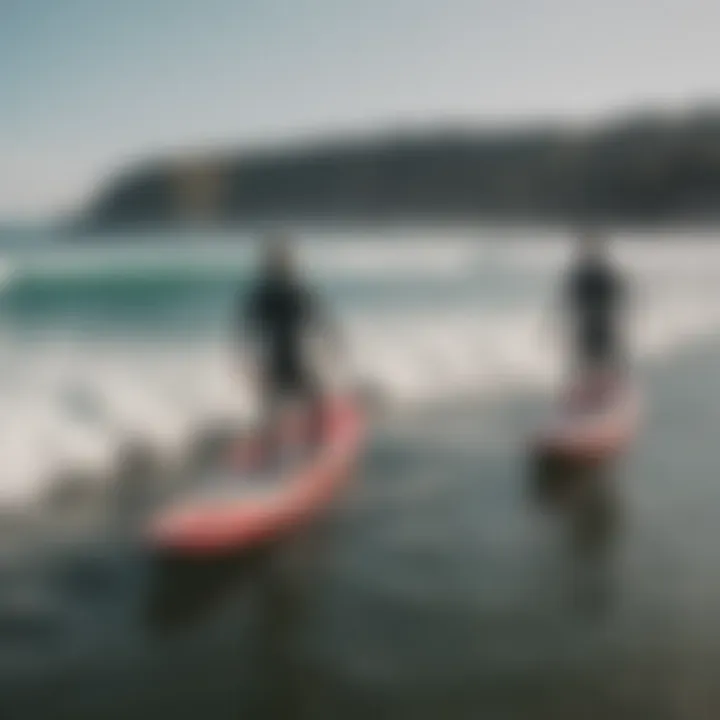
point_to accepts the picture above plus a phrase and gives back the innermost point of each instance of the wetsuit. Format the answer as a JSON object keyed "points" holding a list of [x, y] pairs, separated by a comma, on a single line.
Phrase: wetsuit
{"points": [[280, 315], [596, 295]]}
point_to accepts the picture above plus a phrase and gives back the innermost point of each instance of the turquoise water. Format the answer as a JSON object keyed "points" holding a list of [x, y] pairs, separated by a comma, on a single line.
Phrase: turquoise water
{"points": [[112, 286]]}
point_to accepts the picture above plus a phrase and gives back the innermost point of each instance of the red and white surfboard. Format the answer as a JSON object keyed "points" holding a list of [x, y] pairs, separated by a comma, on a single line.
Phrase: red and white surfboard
{"points": [[591, 426], [206, 525]]}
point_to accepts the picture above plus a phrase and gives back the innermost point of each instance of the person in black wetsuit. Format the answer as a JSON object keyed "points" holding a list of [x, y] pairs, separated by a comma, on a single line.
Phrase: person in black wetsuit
{"points": [[279, 318], [595, 298]]}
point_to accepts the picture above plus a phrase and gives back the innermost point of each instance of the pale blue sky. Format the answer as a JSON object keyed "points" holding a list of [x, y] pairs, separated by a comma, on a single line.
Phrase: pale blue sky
{"points": [[88, 85]]}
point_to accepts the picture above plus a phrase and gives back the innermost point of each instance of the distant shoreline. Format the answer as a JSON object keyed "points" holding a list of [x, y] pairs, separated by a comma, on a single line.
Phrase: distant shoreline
{"points": [[510, 229], [645, 171]]}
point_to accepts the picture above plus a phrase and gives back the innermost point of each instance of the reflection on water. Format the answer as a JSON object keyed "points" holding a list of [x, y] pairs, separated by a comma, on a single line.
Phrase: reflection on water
{"points": [[584, 499], [184, 592]]}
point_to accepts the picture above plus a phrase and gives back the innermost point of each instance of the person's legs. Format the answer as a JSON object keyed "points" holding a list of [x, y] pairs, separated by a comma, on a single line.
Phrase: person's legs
{"points": [[316, 412], [312, 406], [587, 369], [292, 381], [603, 363], [272, 399]]}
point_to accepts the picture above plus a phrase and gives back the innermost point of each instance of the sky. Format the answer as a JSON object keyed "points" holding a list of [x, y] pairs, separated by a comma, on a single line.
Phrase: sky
{"points": [[89, 86]]}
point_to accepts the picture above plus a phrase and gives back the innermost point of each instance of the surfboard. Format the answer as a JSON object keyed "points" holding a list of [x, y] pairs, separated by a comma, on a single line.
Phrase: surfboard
{"points": [[590, 424], [250, 507]]}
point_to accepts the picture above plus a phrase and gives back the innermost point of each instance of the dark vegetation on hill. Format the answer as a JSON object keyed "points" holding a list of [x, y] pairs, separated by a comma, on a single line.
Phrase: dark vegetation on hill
{"points": [[649, 168]]}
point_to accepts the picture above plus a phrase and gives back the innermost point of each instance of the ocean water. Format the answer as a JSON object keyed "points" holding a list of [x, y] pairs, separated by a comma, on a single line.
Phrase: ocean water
{"points": [[108, 339], [440, 586]]}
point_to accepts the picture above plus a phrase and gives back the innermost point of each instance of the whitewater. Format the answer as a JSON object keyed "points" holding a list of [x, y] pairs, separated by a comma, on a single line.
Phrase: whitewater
{"points": [[110, 341]]}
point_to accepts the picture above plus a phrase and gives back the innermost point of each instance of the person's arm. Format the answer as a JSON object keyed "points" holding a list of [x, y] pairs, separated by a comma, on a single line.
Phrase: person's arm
{"points": [[627, 315], [245, 333], [327, 325], [556, 314], [327, 347]]}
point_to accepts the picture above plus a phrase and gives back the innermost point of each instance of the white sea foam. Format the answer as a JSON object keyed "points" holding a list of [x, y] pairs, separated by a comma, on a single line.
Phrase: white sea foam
{"points": [[71, 406]]}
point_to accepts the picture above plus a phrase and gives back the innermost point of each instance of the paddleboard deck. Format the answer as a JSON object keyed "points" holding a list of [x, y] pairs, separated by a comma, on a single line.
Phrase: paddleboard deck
{"points": [[590, 425], [258, 503]]}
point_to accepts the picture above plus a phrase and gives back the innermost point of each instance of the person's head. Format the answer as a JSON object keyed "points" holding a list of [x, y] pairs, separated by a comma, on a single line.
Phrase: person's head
{"points": [[278, 258], [591, 244]]}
